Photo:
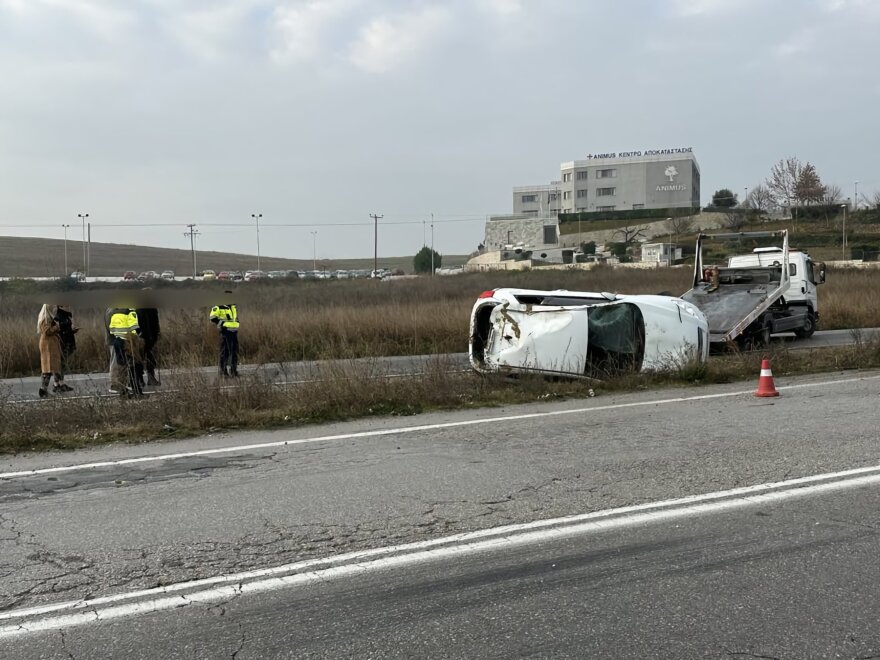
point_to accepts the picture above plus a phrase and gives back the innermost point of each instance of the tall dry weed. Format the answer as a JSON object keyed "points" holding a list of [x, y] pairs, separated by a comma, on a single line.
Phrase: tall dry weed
{"points": [[355, 318]]}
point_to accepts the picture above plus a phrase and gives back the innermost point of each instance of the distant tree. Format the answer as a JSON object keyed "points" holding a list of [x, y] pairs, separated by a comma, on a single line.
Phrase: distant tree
{"points": [[875, 200], [831, 197], [681, 225], [832, 194], [619, 250], [782, 182], [422, 260], [629, 234], [734, 219], [588, 248], [760, 199], [808, 188], [724, 198]]}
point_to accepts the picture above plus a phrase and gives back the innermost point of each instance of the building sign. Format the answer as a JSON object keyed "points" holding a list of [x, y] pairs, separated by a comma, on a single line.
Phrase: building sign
{"points": [[646, 152], [670, 173]]}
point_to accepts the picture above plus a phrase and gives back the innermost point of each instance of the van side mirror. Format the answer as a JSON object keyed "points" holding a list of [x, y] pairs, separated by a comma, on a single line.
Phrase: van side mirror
{"points": [[820, 273]]}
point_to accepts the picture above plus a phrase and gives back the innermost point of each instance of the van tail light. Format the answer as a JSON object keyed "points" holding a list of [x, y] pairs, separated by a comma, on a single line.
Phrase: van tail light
{"points": [[487, 294]]}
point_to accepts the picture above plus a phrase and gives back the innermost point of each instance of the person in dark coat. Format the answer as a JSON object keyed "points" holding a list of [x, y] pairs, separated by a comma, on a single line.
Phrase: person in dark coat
{"points": [[66, 333], [148, 320]]}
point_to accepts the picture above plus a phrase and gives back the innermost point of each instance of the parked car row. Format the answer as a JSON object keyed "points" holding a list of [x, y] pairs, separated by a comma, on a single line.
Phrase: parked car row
{"points": [[147, 275], [254, 275]]}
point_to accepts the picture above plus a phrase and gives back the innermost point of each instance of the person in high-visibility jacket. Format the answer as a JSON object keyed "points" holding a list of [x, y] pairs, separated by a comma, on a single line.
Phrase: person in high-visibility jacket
{"points": [[123, 331], [225, 317]]}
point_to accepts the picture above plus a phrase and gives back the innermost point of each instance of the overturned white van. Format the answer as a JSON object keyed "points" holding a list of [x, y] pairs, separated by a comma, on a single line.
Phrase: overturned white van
{"points": [[582, 334]]}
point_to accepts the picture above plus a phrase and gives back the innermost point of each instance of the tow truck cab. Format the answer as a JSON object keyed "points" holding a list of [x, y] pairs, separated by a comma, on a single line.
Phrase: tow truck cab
{"points": [[804, 273]]}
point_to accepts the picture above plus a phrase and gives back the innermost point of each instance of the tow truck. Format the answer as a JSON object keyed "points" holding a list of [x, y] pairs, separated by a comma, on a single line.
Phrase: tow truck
{"points": [[771, 290]]}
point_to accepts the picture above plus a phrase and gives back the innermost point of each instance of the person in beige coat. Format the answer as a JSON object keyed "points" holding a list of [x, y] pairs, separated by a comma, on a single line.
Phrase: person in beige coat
{"points": [[50, 351]]}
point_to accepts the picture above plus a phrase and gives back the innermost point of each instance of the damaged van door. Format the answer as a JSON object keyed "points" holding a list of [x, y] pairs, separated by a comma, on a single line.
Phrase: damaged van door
{"points": [[595, 341], [549, 340]]}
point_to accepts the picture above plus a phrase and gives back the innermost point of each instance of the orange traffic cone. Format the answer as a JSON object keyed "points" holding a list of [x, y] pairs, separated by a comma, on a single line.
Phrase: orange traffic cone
{"points": [[765, 382]]}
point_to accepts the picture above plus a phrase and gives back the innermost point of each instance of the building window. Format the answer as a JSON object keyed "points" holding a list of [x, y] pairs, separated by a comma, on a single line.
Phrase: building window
{"points": [[582, 175], [637, 207], [581, 194], [549, 234], [530, 213], [605, 192], [529, 198], [606, 174], [553, 197], [582, 209], [566, 194], [604, 208], [566, 176]]}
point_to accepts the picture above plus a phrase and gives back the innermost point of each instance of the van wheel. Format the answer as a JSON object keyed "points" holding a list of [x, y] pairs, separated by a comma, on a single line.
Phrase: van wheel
{"points": [[809, 327]]}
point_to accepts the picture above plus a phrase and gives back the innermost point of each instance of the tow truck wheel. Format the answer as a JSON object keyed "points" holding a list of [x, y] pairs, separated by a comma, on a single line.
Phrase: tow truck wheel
{"points": [[762, 338], [809, 327]]}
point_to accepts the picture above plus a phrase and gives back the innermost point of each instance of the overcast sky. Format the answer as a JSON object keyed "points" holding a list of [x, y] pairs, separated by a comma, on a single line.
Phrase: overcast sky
{"points": [[323, 111]]}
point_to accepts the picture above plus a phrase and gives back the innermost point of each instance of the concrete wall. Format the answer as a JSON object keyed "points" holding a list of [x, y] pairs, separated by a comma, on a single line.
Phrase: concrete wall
{"points": [[657, 228], [503, 230]]}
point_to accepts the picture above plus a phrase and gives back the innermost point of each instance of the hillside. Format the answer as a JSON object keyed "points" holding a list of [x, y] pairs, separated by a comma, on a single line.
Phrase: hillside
{"points": [[44, 257]]}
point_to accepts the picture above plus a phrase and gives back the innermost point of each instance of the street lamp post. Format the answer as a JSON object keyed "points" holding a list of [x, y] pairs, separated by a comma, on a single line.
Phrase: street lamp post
{"points": [[432, 245], [66, 271], [257, 216], [83, 216], [314, 252], [843, 247]]}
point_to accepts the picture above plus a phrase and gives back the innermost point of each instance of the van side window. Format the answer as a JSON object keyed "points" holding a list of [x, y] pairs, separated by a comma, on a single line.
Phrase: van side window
{"points": [[792, 270], [810, 273]]}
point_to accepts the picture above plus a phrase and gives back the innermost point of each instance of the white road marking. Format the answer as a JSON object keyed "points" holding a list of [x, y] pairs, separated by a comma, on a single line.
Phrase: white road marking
{"points": [[224, 587], [411, 429]]}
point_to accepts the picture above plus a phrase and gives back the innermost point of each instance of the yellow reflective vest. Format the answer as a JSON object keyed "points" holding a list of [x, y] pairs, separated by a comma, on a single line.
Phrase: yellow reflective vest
{"points": [[123, 322], [225, 316]]}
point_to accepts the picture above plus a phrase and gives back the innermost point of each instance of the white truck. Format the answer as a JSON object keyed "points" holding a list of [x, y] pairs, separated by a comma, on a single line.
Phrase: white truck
{"points": [[768, 291]]}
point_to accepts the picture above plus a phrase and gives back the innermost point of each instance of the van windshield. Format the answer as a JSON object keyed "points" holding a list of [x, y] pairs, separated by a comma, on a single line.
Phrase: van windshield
{"points": [[616, 339]]}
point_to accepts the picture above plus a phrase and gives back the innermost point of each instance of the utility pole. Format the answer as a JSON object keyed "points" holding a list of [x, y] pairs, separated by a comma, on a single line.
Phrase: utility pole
{"points": [[89, 251], [376, 243], [257, 216], [314, 251], [66, 272], [83, 216], [432, 245], [192, 233], [856, 196]]}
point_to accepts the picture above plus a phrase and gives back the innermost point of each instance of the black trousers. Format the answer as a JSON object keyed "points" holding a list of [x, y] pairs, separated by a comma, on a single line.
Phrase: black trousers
{"points": [[149, 358], [228, 352]]}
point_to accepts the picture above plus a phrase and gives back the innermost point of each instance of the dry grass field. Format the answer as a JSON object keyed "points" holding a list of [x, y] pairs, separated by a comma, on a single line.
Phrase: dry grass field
{"points": [[357, 318], [44, 257]]}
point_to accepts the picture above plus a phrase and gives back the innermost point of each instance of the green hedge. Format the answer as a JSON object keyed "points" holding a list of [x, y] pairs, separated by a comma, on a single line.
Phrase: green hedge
{"points": [[637, 214]]}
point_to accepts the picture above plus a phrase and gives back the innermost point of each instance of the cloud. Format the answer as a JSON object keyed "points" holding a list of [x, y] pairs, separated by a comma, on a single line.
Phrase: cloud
{"points": [[801, 42], [102, 18], [207, 33], [501, 8], [301, 30], [388, 41], [703, 7]]}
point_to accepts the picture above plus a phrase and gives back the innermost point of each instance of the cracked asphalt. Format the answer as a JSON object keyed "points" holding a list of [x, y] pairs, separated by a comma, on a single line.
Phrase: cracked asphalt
{"points": [[102, 531]]}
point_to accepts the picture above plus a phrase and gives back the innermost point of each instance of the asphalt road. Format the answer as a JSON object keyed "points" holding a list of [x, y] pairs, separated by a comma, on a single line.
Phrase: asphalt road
{"points": [[128, 528], [25, 389]]}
